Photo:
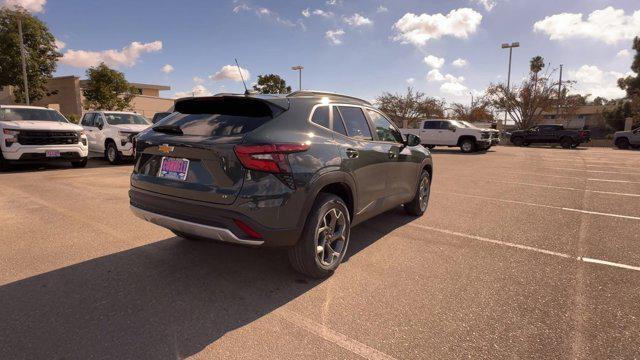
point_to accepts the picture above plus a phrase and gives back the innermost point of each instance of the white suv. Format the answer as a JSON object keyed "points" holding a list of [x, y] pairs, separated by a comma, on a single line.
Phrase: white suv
{"points": [[451, 132], [111, 133], [37, 134]]}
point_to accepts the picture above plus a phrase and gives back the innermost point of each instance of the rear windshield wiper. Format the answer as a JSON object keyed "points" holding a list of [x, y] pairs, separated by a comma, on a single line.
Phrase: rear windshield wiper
{"points": [[168, 129]]}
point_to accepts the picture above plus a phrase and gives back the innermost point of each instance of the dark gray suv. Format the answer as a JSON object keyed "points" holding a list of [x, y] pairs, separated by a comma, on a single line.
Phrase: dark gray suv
{"points": [[296, 171]]}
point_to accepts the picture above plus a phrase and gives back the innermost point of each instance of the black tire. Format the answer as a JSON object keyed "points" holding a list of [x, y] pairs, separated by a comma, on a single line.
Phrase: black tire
{"points": [[575, 145], [417, 206], [305, 255], [468, 146], [429, 146], [517, 141], [566, 142], [526, 143], [79, 164], [4, 164], [111, 153], [622, 143]]}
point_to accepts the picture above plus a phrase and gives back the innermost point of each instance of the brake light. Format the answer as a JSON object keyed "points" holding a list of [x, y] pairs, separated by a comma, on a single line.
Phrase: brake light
{"points": [[247, 230], [268, 157], [582, 134]]}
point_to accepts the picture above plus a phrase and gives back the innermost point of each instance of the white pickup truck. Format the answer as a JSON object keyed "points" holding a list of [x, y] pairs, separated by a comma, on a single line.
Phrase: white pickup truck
{"points": [[449, 132]]}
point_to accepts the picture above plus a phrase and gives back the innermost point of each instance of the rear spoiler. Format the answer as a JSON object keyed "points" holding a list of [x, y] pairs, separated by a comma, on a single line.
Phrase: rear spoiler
{"points": [[231, 104]]}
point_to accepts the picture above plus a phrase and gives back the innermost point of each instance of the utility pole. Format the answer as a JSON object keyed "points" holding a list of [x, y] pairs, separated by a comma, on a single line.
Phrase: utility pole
{"points": [[24, 62], [510, 47], [299, 68], [559, 94]]}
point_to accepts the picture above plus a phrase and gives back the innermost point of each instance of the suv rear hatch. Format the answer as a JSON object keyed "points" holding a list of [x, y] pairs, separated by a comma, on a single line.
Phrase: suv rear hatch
{"points": [[190, 154]]}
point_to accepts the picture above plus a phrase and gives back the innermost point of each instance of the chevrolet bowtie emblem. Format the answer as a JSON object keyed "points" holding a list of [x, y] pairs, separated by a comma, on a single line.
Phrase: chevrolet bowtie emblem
{"points": [[164, 148]]}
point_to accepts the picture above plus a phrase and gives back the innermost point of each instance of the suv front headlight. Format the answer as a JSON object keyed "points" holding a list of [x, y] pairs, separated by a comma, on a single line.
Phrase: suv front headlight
{"points": [[10, 136]]}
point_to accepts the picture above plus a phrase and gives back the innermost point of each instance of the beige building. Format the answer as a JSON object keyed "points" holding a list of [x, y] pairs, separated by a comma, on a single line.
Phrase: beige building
{"points": [[589, 116], [68, 98]]}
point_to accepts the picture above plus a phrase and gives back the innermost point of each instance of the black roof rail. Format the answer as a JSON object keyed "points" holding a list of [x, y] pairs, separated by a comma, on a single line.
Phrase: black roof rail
{"points": [[301, 93]]}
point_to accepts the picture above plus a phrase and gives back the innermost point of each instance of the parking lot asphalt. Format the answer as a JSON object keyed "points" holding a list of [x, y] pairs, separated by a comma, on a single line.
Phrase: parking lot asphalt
{"points": [[523, 253]]}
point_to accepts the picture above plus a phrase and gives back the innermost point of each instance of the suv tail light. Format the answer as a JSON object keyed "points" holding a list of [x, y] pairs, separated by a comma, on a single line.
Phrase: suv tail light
{"points": [[582, 134], [268, 157]]}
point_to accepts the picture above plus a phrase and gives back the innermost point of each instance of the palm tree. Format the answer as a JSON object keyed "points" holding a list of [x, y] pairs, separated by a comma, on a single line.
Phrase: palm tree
{"points": [[536, 64]]}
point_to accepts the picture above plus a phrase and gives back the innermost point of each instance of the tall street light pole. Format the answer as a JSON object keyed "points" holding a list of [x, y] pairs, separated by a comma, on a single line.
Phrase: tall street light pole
{"points": [[299, 68], [510, 47], [24, 62], [559, 94]]}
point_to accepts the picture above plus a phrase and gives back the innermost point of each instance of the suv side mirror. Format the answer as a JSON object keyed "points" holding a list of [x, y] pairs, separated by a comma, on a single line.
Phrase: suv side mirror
{"points": [[100, 126], [452, 128], [412, 140]]}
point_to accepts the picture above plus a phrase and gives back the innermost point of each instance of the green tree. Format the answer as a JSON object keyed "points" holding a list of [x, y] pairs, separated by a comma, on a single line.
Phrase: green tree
{"points": [[271, 84], [107, 89], [407, 109], [40, 49], [629, 107]]}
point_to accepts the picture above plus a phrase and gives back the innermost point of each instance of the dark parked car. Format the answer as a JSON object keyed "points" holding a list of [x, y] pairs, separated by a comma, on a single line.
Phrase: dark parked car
{"points": [[159, 116], [550, 134], [295, 171]]}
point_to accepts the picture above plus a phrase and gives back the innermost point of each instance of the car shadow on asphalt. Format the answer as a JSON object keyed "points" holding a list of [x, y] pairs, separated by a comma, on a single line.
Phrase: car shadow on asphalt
{"points": [[456, 151], [167, 299], [33, 167]]}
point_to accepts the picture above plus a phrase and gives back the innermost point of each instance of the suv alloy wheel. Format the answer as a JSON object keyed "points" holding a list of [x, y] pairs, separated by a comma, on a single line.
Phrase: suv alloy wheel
{"points": [[325, 238]]}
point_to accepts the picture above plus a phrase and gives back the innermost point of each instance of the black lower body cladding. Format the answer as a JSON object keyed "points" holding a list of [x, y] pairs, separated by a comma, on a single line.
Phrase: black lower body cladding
{"points": [[214, 215]]}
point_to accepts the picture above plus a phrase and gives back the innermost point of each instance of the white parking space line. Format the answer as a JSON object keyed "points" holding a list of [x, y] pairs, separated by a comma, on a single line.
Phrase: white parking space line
{"points": [[564, 188], [528, 248], [609, 263], [616, 181], [493, 241], [542, 205], [594, 171], [333, 336]]}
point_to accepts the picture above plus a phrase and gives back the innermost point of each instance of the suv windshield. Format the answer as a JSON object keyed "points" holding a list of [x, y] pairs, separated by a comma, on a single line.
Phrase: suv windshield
{"points": [[124, 119], [25, 114]]}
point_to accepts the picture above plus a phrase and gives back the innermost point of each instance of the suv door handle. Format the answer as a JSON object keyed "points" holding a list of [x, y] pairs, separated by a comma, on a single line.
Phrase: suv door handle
{"points": [[352, 153]]}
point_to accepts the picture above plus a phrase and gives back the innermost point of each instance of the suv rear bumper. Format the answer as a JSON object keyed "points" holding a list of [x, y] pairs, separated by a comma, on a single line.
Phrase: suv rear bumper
{"points": [[191, 228], [208, 220]]}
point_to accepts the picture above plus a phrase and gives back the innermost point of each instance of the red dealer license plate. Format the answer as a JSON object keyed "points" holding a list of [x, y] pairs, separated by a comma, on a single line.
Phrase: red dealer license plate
{"points": [[172, 168], [52, 153]]}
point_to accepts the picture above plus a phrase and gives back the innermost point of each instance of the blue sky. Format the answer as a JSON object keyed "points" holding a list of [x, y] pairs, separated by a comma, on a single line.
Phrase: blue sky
{"points": [[382, 48]]}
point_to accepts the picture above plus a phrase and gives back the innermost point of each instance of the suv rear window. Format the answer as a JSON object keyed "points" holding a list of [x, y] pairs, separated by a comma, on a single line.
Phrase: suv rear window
{"points": [[219, 116]]}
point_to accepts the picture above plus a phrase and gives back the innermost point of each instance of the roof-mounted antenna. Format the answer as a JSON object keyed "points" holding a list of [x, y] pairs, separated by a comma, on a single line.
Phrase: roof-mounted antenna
{"points": [[246, 91]]}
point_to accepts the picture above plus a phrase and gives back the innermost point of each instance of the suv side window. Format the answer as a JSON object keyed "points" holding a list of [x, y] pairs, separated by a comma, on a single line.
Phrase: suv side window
{"points": [[338, 124], [356, 123], [87, 119], [321, 116], [444, 125], [97, 120], [431, 125], [384, 129]]}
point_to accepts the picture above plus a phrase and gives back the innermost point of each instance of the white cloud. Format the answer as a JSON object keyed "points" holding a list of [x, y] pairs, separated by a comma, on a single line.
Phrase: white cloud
{"points": [[460, 63], [382, 9], [436, 75], [594, 81], [357, 20], [198, 90], [608, 25], [623, 53], [334, 36], [411, 81], [198, 80], [589, 74], [230, 72], [488, 4], [434, 61], [167, 69], [334, 2], [318, 12], [34, 6], [453, 88], [60, 44], [418, 29], [266, 12], [127, 56]]}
